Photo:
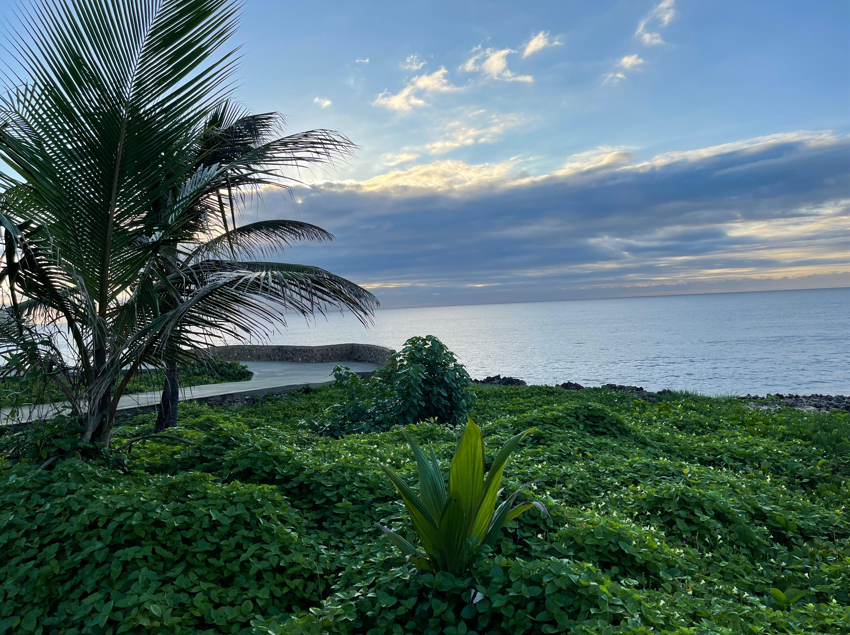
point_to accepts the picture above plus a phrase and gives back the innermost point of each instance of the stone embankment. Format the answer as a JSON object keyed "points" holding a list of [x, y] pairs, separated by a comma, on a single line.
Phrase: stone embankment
{"points": [[368, 353]]}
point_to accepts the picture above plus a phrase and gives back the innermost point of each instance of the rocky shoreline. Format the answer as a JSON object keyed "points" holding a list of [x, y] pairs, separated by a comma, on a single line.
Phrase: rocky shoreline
{"points": [[801, 402]]}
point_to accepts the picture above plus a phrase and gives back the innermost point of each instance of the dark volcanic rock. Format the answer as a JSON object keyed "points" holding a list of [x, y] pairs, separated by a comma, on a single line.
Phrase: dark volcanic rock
{"points": [[803, 402], [498, 380], [571, 385], [635, 391]]}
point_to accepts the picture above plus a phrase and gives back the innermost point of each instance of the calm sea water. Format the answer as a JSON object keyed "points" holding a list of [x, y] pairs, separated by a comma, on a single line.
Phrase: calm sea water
{"points": [[779, 342]]}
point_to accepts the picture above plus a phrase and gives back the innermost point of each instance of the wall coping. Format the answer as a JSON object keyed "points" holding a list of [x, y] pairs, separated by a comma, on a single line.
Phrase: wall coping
{"points": [[350, 352]]}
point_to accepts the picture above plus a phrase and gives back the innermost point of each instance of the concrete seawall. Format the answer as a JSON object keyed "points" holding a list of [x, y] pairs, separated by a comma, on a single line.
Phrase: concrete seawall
{"points": [[368, 353], [269, 379]]}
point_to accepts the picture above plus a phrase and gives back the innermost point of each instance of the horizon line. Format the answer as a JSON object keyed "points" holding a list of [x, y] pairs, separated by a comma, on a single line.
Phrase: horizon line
{"points": [[615, 297]]}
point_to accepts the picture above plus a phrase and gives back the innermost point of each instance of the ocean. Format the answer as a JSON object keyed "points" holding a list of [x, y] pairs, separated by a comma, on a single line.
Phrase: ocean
{"points": [[719, 344]]}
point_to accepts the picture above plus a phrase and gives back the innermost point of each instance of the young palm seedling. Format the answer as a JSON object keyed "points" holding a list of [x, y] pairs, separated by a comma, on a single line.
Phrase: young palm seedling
{"points": [[451, 524]]}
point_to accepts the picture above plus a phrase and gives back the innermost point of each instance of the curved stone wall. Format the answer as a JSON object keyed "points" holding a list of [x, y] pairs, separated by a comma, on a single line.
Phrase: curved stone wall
{"points": [[368, 353]]}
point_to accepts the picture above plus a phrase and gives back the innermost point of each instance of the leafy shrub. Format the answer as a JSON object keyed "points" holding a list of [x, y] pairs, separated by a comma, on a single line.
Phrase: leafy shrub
{"points": [[500, 597], [708, 509], [44, 442], [595, 418], [85, 550], [424, 381], [451, 524], [590, 417], [428, 383], [620, 547], [17, 390]]}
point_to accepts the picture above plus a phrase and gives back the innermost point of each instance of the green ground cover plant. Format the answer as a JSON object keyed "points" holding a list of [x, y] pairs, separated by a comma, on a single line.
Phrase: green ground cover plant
{"points": [[689, 516]]}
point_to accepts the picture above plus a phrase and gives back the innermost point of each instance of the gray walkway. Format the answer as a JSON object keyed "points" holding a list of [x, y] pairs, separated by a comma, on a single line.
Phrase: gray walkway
{"points": [[269, 378]]}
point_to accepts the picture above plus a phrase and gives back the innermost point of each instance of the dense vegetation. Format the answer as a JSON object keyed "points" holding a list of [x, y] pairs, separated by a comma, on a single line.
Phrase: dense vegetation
{"points": [[36, 388], [687, 516], [421, 382]]}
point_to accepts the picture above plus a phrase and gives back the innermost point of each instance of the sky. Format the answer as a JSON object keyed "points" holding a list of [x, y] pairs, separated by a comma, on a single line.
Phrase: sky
{"points": [[553, 150]]}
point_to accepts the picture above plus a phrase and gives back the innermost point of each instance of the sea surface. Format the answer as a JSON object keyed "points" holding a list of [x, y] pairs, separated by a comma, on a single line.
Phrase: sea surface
{"points": [[737, 343]]}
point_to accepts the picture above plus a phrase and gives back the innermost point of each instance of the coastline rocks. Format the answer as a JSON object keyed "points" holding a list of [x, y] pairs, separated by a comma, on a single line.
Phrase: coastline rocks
{"points": [[802, 402], [571, 385], [635, 391], [498, 380]]}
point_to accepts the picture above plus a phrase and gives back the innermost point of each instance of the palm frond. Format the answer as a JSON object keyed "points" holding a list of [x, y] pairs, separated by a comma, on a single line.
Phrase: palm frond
{"points": [[302, 289], [262, 238], [105, 122]]}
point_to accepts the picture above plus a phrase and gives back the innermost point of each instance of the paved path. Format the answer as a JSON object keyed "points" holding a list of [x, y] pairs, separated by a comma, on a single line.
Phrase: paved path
{"points": [[269, 378]]}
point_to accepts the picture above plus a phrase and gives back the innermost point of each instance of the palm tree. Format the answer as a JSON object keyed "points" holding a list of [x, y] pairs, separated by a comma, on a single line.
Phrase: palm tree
{"points": [[252, 156], [104, 134]]}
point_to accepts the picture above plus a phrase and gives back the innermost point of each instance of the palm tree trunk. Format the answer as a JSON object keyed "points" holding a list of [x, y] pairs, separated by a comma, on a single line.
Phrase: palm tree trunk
{"points": [[97, 423], [166, 412]]}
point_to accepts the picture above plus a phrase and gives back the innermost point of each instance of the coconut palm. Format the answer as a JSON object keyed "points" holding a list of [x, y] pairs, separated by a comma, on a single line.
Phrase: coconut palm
{"points": [[246, 146], [103, 135]]}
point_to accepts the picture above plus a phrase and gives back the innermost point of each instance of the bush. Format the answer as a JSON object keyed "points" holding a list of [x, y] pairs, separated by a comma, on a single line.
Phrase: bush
{"points": [[500, 597], [422, 382], [621, 548], [590, 417], [595, 418], [84, 550]]}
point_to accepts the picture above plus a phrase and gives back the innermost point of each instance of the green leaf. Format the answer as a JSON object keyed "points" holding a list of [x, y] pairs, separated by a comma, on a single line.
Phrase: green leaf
{"points": [[484, 511], [431, 483], [792, 595], [466, 477], [423, 521]]}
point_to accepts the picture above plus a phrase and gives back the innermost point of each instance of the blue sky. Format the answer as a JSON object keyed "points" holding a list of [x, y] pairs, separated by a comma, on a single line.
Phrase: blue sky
{"points": [[526, 151], [726, 71], [554, 150]]}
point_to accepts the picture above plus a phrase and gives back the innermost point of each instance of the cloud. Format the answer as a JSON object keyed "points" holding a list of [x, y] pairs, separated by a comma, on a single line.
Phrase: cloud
{"points": [[603, 157], [324, 103], [365, 60], [659, 17], [439, 176], [630, 61], [612, 79], [539, 42], [413, 63], [755, 213], [397, 159], [754, 146], [493, 63], [408, 97], [461, 135]]}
